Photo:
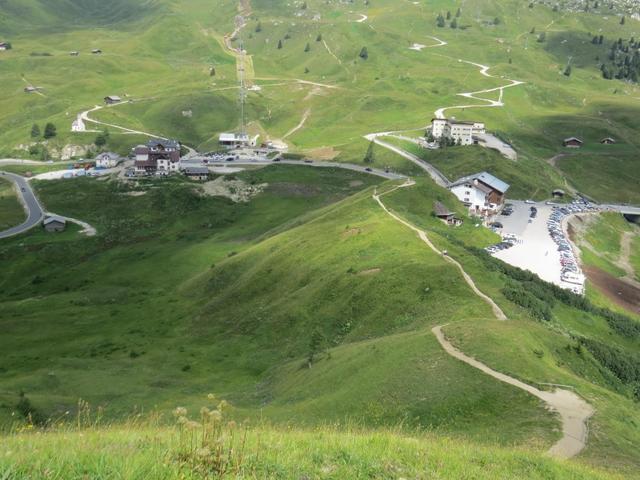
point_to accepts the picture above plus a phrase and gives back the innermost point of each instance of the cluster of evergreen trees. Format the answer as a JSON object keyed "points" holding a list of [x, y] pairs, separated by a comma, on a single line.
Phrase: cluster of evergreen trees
{"points": [[441, 20], [623, 60]]}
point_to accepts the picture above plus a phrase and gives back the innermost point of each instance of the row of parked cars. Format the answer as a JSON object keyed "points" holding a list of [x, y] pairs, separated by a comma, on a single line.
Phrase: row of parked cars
{"points": [[220, 157], [571, 272], [508, 241]]}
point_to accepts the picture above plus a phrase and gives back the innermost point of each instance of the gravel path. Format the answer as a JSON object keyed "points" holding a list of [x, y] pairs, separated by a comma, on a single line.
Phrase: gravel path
{"points": [[573, 410], [484, 70], [497, 311]]}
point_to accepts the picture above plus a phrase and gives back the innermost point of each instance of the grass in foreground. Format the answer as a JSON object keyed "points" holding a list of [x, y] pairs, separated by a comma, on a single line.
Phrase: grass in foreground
{"points": [[192, 451]]}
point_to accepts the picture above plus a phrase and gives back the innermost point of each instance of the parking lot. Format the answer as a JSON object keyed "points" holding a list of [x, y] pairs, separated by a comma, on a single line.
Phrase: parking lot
{"points": [[538, 242]]}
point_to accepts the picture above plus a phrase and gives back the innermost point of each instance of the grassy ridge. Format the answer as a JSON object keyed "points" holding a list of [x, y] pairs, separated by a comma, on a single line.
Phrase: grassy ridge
{"points": [[240, 305]]}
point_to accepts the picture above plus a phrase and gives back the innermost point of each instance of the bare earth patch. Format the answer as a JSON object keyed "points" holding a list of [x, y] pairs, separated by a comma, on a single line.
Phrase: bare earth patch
{"points": [[351, 232], [236, 190], [618, 290], [135, 193], [371, 271]]}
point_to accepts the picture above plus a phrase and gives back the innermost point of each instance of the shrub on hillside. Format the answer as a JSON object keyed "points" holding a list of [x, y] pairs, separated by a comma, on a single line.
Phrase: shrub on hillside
{"points": [[622, 364], [521, 296], [549, 293]]}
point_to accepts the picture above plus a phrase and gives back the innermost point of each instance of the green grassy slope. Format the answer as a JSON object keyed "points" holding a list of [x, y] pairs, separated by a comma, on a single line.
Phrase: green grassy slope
{"points": [[11, 212], [234, 306], [240, 298]]}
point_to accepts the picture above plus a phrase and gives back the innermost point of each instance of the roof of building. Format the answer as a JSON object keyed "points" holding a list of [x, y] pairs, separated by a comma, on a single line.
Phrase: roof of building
{"points": [[441, 211], [54, 219], [114, 98], [486, 178], [572, 139], [233, 137], [608, 139], [164, 143], [108, 156], [196, 171], [456, 122], [141, 150]]}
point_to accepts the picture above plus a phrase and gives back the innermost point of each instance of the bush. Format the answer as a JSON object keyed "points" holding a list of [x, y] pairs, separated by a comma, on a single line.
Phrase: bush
{"points": [[623, 365], [550, 293], [520, 296], [29, 412]]}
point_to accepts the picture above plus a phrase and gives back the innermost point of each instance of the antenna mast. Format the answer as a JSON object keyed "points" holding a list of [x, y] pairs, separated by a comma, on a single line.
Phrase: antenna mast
{"points": [[242, 91]]}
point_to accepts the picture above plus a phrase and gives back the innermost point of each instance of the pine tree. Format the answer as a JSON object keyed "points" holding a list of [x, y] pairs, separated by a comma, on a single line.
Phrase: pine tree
{"points": [[448, 15], [50, 130], [440, 21], [319, 38], [307, 47], [364, 53], [567, 71], [454, 23], [35, 131], [279, 44], [258, 27], [622, 20], [459, 12], [370, 156]]}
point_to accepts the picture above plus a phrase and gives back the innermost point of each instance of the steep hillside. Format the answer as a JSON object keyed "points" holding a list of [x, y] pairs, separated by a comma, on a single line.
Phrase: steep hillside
{"points": [[63, 15]]}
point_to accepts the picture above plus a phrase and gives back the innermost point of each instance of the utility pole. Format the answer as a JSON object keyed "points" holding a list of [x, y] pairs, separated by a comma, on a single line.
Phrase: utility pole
{"points": [[242, 91]]}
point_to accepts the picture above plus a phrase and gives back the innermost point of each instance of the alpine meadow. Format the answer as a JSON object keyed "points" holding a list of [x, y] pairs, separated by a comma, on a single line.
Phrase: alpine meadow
{"points": [[321, 239]]}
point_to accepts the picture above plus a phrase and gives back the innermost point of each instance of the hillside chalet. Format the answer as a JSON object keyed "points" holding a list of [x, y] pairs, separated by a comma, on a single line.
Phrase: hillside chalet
{"points": [[197, 173], [54, 223], [237, 140], [482, 193], [461, 132], [608, 141], [157, 156], [112, 99], [572, 142], [446, 215], [5, 46]]}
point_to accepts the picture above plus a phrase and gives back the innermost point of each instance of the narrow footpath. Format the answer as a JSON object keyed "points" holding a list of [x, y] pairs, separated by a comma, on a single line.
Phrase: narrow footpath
{"points": [[573, 410]]}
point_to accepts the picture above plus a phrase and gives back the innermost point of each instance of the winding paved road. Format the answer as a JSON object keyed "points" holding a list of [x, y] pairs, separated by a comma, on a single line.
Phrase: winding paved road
{"points": [[34, 210]]}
